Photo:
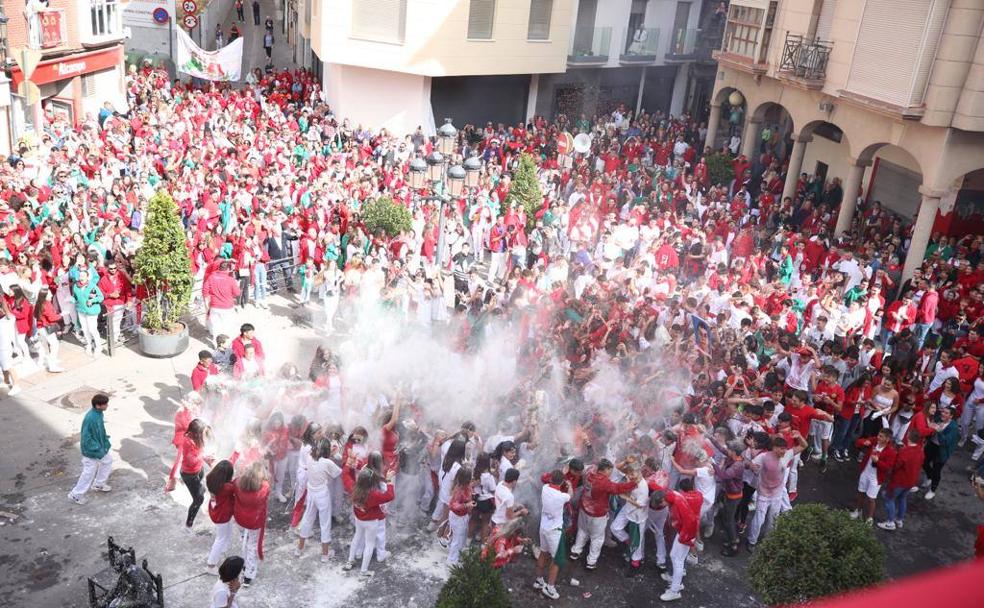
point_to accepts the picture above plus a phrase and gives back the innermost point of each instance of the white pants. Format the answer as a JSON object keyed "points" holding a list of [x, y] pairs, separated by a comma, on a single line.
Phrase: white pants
{"points": [[678, 556], [427, 485], [331, 307], [220, 320], [792, 483], [95, 472], [49, 347], [365, 536], [90, 331], [618, 531], [656, 523], [459, 536], [317, 505], [381, 553], [972, 419], [115, 316], [590, 529], [251, 542], [497, 265], [766, 510], [223, 534], [291, 472], [279, 473]]}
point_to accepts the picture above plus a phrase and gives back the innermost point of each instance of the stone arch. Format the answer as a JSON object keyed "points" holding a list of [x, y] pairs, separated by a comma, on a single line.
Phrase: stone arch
{"points": [[779, 119], [895, 166]]}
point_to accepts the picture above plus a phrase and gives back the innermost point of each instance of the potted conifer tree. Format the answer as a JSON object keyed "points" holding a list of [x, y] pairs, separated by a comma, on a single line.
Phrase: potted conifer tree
{"points": [[162, 267]]}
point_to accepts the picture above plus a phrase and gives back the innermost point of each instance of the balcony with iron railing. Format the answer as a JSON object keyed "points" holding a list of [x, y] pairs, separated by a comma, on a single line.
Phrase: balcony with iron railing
{"points": [[804, 61], [590, 46], [683, 45], [640, 46]]}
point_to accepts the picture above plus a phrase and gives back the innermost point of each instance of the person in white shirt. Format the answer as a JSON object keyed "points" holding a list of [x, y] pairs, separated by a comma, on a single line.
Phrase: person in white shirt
{"points": [[634, 512], [506, 508], [944, 369], [553, 497], [223, 594], [320, 473]]}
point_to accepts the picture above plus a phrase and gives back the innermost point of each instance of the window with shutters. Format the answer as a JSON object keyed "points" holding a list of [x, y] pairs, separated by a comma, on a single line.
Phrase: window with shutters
{"points": [[540, 11], [88, 85], [481, 16], [379, 20], [895, 50], [748, 31]]}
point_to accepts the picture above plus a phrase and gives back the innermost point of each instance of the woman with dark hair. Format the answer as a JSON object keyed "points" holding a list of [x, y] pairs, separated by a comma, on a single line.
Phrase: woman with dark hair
{"points": [[459, 511], [452, 461], [485, 484], [320, 472], [220, 506], [192, 463], [846, 419], [225, 589], [48, 321], [23, 312], [367, 501]]}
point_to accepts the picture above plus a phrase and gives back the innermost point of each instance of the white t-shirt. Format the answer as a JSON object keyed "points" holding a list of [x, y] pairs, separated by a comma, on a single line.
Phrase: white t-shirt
{"points": [[639, 495], [447, 480], [552, 508], [503, 502], [219, 597], [320, 473], [704, 483]]}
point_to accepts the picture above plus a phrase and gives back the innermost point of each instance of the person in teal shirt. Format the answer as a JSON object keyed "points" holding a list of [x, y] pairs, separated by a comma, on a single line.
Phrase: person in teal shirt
{"points": [[88, 304], [97, 463]]}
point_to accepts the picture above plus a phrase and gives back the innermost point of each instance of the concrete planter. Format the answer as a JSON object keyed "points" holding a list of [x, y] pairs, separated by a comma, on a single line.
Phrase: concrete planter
{"points": [[162, 346]]}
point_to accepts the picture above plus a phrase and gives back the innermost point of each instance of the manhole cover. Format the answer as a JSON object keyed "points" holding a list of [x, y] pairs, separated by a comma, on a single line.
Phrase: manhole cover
{"points": [[78, 399]]}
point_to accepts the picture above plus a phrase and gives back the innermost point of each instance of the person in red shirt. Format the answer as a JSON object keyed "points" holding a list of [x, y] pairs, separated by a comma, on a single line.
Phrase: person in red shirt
{"points": [[685, 518], [202, 371], [828, 396], [247, 335], [220, 291], [220, 507], [117, 291], [367, 501], [506, 542], [192, 464], [593, 516], [876, 465], [459, 513], [250, 513], [802, 415], [276, 438], [905, 475]]}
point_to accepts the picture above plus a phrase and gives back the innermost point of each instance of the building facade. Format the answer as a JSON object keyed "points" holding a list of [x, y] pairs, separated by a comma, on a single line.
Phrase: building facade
{"points": [[640, 54], [74, 53], [885, 95], [502, 61]]}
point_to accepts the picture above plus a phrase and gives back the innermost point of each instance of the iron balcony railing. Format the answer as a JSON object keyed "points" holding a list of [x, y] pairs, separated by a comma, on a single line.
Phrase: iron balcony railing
{"points": [[804, 57]]}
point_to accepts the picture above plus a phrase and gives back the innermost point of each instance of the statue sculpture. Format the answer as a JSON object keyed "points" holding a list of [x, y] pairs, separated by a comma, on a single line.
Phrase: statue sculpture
{"points": [[135, 586]]}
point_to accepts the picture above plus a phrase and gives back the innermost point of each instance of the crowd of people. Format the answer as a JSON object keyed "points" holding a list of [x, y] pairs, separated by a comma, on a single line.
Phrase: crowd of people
{"points": [[747, 341]]}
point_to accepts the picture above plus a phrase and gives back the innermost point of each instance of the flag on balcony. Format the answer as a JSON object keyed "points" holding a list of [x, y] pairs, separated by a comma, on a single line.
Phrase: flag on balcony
{"points": [[223, 65]]}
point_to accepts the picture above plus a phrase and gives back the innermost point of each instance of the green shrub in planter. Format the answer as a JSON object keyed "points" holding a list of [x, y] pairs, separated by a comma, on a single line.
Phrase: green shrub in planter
{"points": [[814, 551], [163, 266], [474, 583], [386, 215], [720, 169], [525, 189]]}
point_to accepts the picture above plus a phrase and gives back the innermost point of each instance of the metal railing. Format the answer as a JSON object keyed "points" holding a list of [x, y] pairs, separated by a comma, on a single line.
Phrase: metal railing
{"points": [[281, 278], [590, 45], [804, 57], [640, 44]]}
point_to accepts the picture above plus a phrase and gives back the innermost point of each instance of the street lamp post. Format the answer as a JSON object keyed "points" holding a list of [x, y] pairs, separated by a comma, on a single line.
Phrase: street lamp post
{"points": [[447, 180]]}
